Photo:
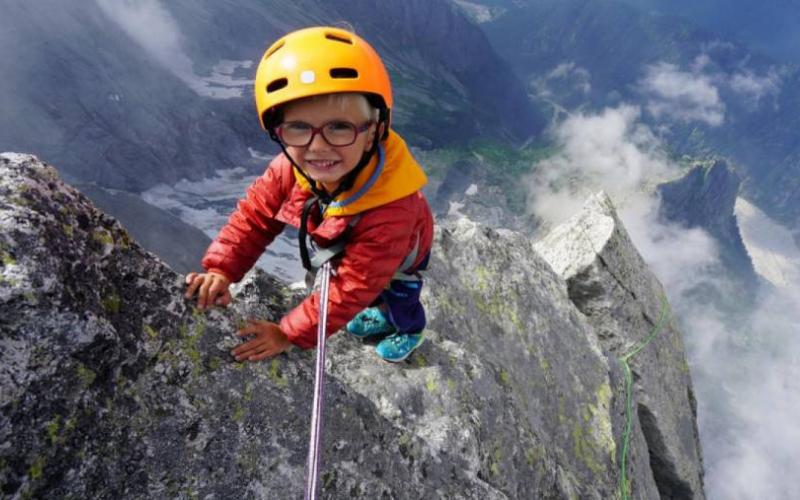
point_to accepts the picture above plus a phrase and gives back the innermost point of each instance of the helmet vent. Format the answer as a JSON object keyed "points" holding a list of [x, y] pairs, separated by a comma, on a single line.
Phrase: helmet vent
{"points": [[278, 84], [344, 73], [274, 49], [339, 38]]}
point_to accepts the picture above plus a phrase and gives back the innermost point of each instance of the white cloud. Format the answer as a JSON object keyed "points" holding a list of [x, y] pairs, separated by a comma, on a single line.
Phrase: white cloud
{"points": [[610, 151], [745, 363], [568, 72], [152, 26], [682, 95], [755, 86], [693, 95]]}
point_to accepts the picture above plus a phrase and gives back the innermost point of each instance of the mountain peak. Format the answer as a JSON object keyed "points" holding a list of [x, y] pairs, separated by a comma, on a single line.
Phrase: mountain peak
{"points": [[114, 384]]}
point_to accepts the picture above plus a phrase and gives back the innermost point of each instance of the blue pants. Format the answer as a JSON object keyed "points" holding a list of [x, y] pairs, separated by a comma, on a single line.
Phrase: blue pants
{"points": [[403, 307]]}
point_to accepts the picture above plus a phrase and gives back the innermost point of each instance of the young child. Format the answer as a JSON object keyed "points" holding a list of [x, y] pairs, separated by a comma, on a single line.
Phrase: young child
{"points": [[344, 178]]}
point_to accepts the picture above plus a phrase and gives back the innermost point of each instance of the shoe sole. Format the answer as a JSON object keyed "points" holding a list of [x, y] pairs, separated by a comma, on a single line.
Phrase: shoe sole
{"points": [[409, 353]]}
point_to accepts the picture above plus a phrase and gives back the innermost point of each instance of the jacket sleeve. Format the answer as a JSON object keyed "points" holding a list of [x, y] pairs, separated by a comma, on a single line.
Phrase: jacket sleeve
{"points": [[250, 228], [378, 245]]}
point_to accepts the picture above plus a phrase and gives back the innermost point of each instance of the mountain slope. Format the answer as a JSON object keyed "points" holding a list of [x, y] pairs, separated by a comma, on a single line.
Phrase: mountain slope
{"points": [[129, 95], [113, 384]]}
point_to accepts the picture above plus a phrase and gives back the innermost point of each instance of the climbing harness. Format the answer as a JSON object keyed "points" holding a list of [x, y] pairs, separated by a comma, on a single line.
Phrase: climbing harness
{"points": [[315, 258], [623, 482], [312, 466]]}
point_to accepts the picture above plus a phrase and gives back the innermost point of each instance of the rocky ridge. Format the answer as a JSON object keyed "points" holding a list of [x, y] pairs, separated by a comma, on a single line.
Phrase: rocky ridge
{"points": [[705, 198], [114, 385]]}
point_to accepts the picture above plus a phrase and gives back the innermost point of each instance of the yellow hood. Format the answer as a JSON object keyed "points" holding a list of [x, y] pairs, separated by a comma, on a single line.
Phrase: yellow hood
{"points": [[391, 174]]}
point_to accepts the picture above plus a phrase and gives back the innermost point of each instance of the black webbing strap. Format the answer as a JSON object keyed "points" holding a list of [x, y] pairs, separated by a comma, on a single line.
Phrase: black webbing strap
{"points": [[321, 255], [302, 234]]}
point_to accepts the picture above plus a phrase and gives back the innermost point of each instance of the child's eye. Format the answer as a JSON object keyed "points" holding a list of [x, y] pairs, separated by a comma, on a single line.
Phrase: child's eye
{"points": [[296, 127], [339, 126]]}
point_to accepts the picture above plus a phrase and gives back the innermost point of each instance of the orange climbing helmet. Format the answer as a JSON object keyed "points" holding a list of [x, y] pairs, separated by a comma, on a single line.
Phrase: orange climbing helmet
{"points": [[320, 60]]}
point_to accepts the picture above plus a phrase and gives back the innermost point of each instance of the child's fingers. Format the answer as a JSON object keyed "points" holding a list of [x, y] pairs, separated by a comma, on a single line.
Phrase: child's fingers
{"points": [[262, 356], [217, 289], [195, 282], [251, 327], [225, 299], [202, 299], [248, 349]]}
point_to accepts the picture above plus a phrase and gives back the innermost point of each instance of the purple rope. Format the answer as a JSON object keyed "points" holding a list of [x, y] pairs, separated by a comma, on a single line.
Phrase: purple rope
{"points": [[312, 467]]}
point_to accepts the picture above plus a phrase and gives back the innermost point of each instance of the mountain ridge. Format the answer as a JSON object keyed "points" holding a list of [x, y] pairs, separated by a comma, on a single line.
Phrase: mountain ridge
{"points": [[114, 384]]}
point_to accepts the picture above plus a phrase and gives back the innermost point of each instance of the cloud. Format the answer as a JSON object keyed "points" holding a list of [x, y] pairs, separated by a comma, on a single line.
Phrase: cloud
{"points": [[754, 86], [744, 360], [747, 377], [566, 74], [153, 28], [694, 95], [683, 95], [610, 151]]}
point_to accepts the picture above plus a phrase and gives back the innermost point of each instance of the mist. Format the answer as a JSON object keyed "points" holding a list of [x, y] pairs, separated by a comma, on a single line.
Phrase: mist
{"points": [[155, 30], [745, 363]]}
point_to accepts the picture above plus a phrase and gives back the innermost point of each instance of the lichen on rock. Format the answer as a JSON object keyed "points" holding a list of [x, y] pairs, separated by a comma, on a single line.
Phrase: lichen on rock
{"points": [[113, 384]]}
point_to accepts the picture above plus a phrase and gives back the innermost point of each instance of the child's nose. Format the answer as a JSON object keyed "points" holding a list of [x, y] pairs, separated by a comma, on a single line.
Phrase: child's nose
{"points": [[318, 143]]}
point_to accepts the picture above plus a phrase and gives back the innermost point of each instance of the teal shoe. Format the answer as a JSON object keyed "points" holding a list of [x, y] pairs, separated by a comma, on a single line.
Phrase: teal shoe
{"points": [[399, 346], [370, 321]]}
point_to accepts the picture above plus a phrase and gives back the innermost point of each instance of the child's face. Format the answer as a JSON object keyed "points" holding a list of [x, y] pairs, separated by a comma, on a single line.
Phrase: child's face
{"points": [[321, 161]]}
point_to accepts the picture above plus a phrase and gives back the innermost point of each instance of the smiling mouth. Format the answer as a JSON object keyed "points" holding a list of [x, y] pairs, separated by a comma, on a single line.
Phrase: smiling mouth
{"points": [[323, 163]]}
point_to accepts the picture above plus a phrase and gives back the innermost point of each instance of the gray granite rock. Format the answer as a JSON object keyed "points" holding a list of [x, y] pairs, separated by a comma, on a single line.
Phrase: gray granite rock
{"points": [[611, 284], [114, 385]]}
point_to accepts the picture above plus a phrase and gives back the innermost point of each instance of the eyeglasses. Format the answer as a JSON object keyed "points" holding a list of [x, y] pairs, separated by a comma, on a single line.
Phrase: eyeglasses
{"points": [[335, 133]]}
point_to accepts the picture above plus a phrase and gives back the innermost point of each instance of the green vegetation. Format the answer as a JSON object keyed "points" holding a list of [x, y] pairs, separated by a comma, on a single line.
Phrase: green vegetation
{"points": [[431, 384], [494, 462], [7, 259], [86, 375], [52, 429], [37, 467], [505, 378], [111, 303], [103, 236], [150, 331], [275, 374], [504, 164]]}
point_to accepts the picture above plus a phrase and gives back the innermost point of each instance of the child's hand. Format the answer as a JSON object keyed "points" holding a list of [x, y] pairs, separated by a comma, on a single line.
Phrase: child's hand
{"points": [[213, 289], [269, 341]]}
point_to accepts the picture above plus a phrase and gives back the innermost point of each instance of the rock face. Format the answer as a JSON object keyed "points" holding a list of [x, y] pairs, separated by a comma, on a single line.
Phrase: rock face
{"points": [[705, 198], [180, 245], [610, 283], [467, 191], [113, 385]]}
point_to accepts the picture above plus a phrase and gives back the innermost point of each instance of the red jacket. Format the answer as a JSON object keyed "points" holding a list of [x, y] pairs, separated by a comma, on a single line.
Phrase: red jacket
{"points": [[394, 215]]}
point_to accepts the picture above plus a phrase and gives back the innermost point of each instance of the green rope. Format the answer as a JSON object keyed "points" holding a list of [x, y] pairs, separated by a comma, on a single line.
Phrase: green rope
{"points": [[623, 482]]}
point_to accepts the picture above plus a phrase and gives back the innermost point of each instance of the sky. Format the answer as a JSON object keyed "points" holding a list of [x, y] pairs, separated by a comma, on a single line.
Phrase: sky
{"points": [[746, 374]]}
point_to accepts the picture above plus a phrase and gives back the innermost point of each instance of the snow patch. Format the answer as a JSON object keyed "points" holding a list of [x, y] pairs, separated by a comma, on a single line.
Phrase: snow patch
{"points": [[222, 83], [775, 256], [207, 205]]}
